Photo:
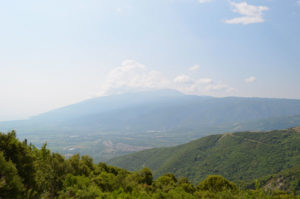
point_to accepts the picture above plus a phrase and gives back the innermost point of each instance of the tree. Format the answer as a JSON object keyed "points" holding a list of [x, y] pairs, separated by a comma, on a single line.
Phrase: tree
{"points": [[21, 155], [11, 185], [215, 183]]}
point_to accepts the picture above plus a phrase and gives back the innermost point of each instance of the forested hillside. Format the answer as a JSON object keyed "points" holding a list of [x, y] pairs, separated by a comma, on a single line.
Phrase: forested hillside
{"points": [[236, 156], [287, 179], [29, 172]]}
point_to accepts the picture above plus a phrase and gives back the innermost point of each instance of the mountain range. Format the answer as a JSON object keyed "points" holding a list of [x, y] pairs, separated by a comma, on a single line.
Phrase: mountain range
{"points": [[109, 126]]}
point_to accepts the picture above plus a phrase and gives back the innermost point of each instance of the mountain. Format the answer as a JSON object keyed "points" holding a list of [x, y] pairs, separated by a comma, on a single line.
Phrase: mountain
{"points": [[162, 110], [237, 156], [109, 126]]}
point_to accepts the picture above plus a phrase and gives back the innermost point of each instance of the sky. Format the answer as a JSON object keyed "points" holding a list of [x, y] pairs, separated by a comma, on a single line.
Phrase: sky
{"points": [[59, 52]]}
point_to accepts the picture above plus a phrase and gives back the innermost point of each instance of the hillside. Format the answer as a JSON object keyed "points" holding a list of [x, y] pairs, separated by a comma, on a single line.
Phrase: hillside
{"points": [[236, 156], [29, 172], [285, 180]]}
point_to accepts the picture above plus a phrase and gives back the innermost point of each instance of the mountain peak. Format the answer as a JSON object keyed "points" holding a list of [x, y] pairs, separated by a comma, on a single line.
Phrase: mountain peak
{"points": [[153, 92]]}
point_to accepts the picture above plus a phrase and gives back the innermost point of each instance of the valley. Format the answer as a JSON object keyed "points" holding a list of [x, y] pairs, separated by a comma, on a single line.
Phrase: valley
{"points": [[111, 126]]}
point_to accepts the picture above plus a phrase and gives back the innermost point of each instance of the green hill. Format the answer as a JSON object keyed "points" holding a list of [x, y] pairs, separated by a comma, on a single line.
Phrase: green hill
{"points": [[236, 156], [32, 173], [285, 180]]}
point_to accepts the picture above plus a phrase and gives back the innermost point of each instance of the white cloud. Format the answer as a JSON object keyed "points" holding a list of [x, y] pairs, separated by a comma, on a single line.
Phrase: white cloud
{"points": [[195, 67], [204, 86], [250, 13], [298, 2], [250, 79], [184, 79], [204, 1], [205, 80], [187, 80], [133, 76]]}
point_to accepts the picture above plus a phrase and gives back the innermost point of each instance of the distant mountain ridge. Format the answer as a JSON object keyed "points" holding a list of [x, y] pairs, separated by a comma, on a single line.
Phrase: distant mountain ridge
{"points": [[105, 127], [238, 156], [105, 104], [163, 110]]}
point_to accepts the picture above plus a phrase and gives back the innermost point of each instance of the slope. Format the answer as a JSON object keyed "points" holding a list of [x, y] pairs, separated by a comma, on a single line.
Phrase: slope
{"points": [[237, 156]]}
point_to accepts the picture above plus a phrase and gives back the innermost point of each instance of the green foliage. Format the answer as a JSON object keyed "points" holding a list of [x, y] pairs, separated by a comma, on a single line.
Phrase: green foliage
{"points": [[20, 154], [11, 185], [285, 180], [236, 156], [53, 176], [216, 184], [165, 183], [184, 183]]}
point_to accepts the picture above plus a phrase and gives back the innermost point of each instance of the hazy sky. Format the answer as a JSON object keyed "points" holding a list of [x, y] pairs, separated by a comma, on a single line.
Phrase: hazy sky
{"points": [[58, 52]]}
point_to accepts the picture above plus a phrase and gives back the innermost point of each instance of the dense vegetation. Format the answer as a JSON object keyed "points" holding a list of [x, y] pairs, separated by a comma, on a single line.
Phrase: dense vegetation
{"points": [[236, 156], [288, 179], [29, 172]]}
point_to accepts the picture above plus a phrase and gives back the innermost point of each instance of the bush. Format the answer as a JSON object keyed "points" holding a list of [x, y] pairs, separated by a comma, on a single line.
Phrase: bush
{"points": [[215, 184]]}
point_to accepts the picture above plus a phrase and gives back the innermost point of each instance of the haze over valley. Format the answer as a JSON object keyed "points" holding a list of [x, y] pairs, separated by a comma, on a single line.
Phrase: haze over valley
{"points": [[158, 99], [110, 126]]}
